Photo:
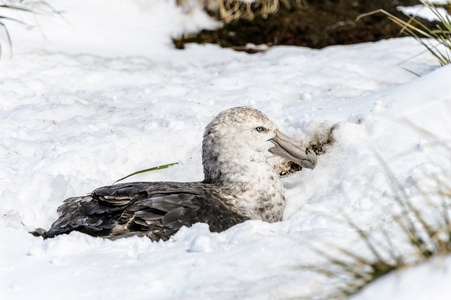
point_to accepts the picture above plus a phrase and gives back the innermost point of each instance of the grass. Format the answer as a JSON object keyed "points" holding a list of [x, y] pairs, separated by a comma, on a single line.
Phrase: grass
{"points": [[438, 39], [425, 234], [20, 6], [4, 18], [418, 231], [146, 170]]}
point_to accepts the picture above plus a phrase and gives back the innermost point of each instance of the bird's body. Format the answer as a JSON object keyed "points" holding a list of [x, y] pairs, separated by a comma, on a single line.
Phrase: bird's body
{"points": [[156, 210], [239, 185]]}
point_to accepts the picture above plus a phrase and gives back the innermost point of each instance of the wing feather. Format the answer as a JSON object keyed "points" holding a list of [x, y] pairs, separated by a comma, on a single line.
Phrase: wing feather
{"points": [[157, 210]]}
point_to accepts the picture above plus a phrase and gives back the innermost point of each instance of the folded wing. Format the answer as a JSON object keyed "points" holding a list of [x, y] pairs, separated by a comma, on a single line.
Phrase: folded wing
{"points": [[157, 210]]}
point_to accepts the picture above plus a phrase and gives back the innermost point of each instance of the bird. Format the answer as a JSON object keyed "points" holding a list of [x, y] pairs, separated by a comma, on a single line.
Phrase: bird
{"points": [[239, 184]]}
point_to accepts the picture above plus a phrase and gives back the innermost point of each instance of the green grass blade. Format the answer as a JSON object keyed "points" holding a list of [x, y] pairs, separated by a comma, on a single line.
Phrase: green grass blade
{"points": [[147, 170]]}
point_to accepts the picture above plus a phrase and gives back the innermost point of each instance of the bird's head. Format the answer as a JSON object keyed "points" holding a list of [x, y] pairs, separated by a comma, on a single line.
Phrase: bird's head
{"points": [[240, 136]]}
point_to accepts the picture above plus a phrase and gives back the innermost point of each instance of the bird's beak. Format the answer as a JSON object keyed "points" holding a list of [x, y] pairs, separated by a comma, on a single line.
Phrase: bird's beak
{"points": [[290, 149]]}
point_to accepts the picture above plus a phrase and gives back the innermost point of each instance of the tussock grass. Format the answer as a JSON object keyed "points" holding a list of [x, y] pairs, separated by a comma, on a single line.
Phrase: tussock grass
{"points": [[437, 41], [4, 18], [418, 229], [422, 234], [27, 6], [230, 10]]}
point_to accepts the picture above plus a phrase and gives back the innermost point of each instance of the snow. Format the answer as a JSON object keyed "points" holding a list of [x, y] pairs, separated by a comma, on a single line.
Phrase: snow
{"points": [[423, 12], [424, 281], [104, 94]]}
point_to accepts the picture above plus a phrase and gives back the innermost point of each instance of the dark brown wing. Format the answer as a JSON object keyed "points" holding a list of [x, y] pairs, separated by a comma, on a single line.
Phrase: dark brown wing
{"points": [[157, 210]]}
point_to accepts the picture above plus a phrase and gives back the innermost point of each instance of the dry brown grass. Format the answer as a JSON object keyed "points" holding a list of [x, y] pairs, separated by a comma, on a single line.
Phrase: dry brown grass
{"points": [[230, 10]]}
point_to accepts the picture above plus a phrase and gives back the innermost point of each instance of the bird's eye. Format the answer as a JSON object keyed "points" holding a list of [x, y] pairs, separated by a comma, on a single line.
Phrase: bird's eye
{"points": [[259, 129]]}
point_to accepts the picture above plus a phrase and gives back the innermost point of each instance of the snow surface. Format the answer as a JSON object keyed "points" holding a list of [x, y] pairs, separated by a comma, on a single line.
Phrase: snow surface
{"points": [[89, 100], [423, 12]]}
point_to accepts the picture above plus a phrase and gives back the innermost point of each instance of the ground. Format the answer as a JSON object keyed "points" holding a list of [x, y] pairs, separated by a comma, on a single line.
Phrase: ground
{"points": [[320, 24]]}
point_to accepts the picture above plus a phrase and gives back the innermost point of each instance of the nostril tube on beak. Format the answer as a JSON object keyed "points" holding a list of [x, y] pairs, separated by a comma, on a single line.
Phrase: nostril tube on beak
{"points": [[291, 149]]}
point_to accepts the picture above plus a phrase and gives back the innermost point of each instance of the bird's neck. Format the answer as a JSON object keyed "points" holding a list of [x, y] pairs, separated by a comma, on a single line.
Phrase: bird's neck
{"points": [[253, 187]]}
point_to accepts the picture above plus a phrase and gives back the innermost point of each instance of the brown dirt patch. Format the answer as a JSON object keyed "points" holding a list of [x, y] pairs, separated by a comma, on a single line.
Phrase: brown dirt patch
{"points": [[322, 23]]}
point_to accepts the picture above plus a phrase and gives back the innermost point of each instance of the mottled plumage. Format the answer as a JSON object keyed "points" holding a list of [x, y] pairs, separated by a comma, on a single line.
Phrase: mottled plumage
{"points": [[239, 185]]}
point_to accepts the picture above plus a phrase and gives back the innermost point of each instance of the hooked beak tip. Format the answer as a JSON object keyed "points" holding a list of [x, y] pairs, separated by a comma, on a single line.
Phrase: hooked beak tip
{"points": [[291, 149]]}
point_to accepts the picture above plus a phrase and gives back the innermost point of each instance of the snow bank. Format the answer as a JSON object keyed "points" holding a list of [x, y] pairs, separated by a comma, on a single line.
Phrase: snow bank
{"points": [[81, 110]]}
